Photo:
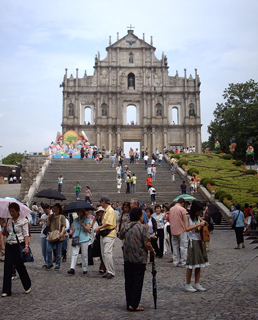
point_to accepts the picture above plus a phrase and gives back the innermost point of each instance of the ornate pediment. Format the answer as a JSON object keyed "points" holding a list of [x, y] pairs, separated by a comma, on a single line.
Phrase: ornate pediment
{"points": [[130, 41]]}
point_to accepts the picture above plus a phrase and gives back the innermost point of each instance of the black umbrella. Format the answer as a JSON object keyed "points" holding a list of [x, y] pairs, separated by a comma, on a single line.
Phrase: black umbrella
{"points": [[76, 205], [154, 284], [50, 194]]}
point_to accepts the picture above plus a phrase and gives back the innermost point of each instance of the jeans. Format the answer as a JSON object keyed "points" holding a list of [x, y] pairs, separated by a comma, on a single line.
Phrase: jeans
{"points": [[153, 176], [43, 241], [34, 218], [77, 194], [160, 162], [60, 187], [133, 190], [50, 246], [87, 199]]}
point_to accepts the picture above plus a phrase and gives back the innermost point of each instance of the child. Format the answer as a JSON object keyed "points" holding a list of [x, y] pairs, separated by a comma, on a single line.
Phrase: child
{"points": [[153, 171], [149, 181], [152, 192], [77, 190], [119, 184], [172, 170]]}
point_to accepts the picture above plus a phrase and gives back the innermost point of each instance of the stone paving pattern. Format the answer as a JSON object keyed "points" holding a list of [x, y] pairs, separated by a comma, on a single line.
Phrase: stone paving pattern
{"points": [[231, 282]]}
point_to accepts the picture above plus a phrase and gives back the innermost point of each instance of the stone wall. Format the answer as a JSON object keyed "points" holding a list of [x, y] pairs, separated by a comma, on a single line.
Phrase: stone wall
{"points": [[31, 167]]}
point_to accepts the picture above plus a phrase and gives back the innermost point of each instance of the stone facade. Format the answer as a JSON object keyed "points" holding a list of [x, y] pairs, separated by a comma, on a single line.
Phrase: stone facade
{"points": [[167, 107]]}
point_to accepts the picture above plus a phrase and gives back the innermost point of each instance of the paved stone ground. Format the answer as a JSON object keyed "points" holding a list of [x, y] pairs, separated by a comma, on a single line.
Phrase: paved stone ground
{"points": [[10, 190], [231, 282]]}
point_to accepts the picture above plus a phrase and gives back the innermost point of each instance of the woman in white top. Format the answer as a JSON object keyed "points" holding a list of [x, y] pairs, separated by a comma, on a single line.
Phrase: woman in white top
{"points": [[16, 227], [197, 255]]}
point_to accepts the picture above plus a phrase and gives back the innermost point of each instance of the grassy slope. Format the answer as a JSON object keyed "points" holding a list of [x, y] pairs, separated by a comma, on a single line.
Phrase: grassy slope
{"points": [[227, 177]]}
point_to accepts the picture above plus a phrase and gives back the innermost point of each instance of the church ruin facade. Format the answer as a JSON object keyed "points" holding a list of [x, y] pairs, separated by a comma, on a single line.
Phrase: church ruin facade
{"points": [[167, 108]]}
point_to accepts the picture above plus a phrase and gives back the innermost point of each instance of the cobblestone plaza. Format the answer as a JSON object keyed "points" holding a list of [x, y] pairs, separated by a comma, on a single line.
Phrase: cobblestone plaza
{"points": [[231, 283]]}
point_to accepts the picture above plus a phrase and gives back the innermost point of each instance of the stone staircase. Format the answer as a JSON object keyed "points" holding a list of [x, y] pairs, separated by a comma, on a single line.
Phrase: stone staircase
{"points": [[101, 178]]}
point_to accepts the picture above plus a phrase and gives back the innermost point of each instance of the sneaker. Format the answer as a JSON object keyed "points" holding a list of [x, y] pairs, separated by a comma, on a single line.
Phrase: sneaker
{"points": [[57, 267], [14, 277], [3, 295], [198, 287], [27, 291], [49, 267], [44, 266], [189, 288], [85, 272]]}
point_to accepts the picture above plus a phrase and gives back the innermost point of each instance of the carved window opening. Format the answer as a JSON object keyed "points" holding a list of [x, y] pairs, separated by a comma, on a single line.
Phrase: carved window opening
{"points": [[131, 112], [87, 115], [131, 80], [175, 115], [70, 110], [131, 57]]}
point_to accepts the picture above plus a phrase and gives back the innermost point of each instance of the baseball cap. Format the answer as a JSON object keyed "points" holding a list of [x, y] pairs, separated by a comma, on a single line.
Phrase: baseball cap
{"points": [[105, 198]]}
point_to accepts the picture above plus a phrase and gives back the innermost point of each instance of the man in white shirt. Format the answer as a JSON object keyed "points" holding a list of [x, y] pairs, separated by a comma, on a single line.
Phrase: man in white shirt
{"points": [[160, 159], [146, 158]]}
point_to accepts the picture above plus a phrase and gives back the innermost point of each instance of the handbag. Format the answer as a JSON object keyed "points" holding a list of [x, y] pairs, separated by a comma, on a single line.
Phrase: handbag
{"points": [[54, 236], [25, 257], [235, 221], [75, 240], [205, 234]]}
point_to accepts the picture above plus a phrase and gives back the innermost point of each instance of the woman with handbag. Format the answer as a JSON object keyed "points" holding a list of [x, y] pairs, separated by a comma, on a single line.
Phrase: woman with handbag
{"points": [[17, 232], [57, 223], [81, 239], [196, 255], [239, 221]]}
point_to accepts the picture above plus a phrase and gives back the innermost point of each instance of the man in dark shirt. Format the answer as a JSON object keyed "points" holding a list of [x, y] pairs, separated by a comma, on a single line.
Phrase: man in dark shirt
{"points": [[183, 188]]}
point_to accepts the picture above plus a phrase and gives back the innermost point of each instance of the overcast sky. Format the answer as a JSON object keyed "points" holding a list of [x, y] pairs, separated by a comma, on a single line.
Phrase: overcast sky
{"points": [[38, 40]]}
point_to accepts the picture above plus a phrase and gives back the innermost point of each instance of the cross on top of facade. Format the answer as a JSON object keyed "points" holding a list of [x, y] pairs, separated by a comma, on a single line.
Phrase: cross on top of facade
{"points": [[130, 28]]}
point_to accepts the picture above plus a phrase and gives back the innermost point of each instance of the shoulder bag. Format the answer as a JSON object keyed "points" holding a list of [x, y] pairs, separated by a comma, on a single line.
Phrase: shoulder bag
{"points": [[205, 234], [25, 257], [105, 232], [75, 240], [54, 236]]}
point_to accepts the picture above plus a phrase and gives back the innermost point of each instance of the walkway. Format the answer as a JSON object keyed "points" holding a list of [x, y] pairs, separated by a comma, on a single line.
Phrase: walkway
{"points": [[231, 282]]}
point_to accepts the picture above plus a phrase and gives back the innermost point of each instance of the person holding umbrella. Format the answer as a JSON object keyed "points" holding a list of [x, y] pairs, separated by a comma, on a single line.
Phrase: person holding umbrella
{"points": [[136, 245], [81, 229], [17, 230]]}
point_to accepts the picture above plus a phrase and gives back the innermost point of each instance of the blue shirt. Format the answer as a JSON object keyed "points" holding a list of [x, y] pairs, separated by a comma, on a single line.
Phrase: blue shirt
{"points": [[145, 218], [79, 231], [240, 222]]}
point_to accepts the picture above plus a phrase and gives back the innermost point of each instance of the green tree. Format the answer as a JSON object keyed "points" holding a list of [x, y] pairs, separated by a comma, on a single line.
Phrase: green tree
{"points": [[237, 116], [12, 158]]}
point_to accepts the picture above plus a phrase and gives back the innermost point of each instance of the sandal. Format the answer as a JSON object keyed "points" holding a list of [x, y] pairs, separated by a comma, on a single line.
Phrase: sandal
{"points": [[236, 248], [135, 309], [101, 271]]}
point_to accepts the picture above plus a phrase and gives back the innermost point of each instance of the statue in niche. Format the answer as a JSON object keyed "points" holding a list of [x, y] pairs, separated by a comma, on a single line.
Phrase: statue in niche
{"points": [[70, 110], [131, 82], [159, 112], [104, 112], [191, 111], [104, 79], [131, 57]]}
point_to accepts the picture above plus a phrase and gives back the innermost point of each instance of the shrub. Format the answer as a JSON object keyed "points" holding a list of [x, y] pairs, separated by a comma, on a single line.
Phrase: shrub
{"points": [[192, 170], [218, 152], [222, 196], [227, 157], [176, 156], [182, 161], [218, 193], [251, 171], [238, 163], [228, 196]]}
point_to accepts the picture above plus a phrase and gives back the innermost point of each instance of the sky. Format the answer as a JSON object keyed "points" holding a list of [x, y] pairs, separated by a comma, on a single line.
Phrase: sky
{"points": [[38, 40]]}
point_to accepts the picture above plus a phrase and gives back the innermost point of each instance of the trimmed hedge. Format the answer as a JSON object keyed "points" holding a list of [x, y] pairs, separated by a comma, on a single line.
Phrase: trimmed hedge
{"points": [[218, 152], [191, 171], [227, 157], [176, 156], [182, 161], [251, 171], [239, 163], [205, 181]]}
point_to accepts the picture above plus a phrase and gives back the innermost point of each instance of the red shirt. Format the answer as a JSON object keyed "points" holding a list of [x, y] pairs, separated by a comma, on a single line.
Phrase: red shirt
{"points": [[149, 181]]}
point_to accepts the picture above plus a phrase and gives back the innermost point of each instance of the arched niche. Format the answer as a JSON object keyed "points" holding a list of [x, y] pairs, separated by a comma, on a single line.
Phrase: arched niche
{"points": [[131, 80], [192, 110], [70, 110], [104, 110], [159, 110]]}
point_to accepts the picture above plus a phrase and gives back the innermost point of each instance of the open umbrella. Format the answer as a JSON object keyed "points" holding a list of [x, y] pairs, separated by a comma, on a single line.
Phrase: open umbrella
{"points": [[154, 284], [187, 197], [50, 194], [76, 205], [4, 211]]}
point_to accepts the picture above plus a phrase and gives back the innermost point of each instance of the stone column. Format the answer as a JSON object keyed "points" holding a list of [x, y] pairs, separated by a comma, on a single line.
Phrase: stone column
{"points": [[153, 136], [187, 139], [98, 138], [109, 108], [118, 138], [165, 109], [152, 106], [145, 137], [110, 139], [97, 108], [117, 109], [198, 146], [165, 137]]}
